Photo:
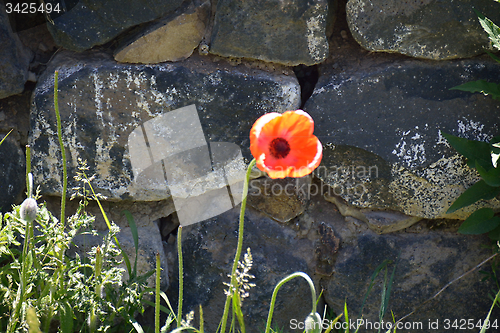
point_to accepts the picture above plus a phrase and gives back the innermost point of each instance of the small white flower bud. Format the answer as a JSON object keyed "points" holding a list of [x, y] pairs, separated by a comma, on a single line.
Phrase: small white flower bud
{"points": [[313, 323], [29, 208]]}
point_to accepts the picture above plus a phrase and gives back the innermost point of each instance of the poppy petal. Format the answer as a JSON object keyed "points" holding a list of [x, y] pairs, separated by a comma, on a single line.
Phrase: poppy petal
{"points": [[284, 144]]}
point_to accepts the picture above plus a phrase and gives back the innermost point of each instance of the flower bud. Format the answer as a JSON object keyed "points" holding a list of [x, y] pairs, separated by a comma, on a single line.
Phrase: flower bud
{"points": [[29, 208], [98, 261], [313, 323]]}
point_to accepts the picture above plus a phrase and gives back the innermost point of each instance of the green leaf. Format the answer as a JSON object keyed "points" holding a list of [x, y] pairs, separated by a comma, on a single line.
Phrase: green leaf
{"points": [[491, 177], [497, 59], [491, 29], [494, 234], [152, 304], [482, 86], [66, 317], [29, 260], [495, 152], [478, 191], [165, 298], [479, 222], [136, 325], [474, 151]]}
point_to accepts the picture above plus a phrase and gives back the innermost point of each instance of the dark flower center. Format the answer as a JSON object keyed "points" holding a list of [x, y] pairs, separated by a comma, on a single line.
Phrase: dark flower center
{"points": [[279, 148]]}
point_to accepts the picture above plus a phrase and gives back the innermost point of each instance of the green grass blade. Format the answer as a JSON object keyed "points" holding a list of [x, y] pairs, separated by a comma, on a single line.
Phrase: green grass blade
{"points": [[201, 319], [372, 282], [486, 321], [494, 57], [383, 305], [66, 318], [346, 314], [391, 280], [170, 319], [63, 152], [135, 236], [153, 304], [165, 298], [181, 277], [136, 325], [5, 137], [237, 310], [124, 254], [386, 293], [332, 324], [157, 294], [394, 321]]}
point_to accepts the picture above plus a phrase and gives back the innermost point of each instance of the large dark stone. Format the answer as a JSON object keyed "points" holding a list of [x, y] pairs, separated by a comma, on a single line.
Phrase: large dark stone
{"points": [[340, 254], [102, 102], [12, 173], [290, 33], [423, 264], [427, 257], [209, 248], [380, 124], [15, 60], [14, 115], [431, 29], [86, 23]]}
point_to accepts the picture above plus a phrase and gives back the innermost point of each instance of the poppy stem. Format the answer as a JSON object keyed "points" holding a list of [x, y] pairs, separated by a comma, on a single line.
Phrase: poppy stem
{"points": [[233, 287], [277, 288]]}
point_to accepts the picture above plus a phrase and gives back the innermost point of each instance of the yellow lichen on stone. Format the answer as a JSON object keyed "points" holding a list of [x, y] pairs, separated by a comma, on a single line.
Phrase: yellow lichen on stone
{"points": [[430, 194]]}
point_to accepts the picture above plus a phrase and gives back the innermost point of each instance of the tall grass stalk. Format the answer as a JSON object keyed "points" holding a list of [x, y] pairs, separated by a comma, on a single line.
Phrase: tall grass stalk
{"points": [[157, 293], [61, 144], [233, 285], [181, 277], [65, 183], [486, 323]]}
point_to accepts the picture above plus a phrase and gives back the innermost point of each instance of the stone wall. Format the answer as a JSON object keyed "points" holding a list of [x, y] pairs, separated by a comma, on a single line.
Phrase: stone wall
{"points": [[374, 75]]}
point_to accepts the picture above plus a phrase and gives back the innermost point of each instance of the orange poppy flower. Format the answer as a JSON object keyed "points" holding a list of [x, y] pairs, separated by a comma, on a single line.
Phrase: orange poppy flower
{"points": [[284, 145]]}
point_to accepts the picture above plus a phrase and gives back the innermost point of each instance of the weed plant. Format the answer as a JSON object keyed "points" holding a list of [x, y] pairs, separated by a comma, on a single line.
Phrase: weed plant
{"points": [[43, 289]]}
